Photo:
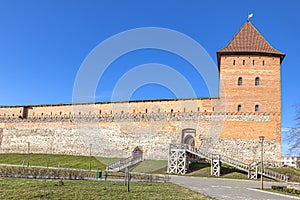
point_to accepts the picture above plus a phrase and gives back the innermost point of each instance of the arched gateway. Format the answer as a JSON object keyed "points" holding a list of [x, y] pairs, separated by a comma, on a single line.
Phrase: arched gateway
{"points": [[188, 136]]}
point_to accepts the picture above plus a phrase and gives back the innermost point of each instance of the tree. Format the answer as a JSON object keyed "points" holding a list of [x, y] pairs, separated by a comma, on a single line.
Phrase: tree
{"points": [[294, 134]]}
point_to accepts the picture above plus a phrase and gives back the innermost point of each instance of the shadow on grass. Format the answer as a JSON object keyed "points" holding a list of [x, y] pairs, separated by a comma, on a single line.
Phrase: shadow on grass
{"points": [[204, 170]]}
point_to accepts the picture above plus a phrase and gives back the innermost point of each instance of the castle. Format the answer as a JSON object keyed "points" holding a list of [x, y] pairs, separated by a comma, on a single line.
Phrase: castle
{"points": [[248, 106]]}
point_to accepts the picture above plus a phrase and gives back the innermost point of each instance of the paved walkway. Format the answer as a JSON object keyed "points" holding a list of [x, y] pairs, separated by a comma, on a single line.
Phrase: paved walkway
{"points": [[228, 189]]}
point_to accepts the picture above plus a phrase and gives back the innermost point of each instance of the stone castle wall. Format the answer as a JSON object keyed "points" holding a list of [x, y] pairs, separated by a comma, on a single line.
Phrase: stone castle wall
{"points": [[116, 135]]}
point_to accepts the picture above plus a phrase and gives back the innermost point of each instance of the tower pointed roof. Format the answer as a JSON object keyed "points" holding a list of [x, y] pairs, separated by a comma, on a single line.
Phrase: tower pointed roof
{"points": [[249, 41]]}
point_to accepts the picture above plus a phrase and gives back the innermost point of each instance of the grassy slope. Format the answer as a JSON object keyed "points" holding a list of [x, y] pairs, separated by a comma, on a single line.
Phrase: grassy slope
{"points": [[203, 170], [51, 189], [150, 166], [293, 173], [51, 160]]}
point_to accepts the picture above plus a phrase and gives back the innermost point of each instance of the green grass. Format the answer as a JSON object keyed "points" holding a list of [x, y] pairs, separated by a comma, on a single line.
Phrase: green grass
{"points": [[54, 189], [107, 161], [203, 170], [150, 166], [293, 173], [199, 169], [52, 160]]}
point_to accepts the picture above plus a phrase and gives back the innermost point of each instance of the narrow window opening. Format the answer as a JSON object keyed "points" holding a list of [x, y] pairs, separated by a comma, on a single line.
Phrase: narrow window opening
{"points": [[133, 111], [183, 109], [263, 63], [111, 112], [244, 62], [256, 108], [198, 109], [100, 112], [79, 113], [122, 112], [146, 110], [233, 62], [60, 113], [213, 109], [253, 62], [240, 81], [239, 108], [42, 114], [171, 110], [257, 81]]}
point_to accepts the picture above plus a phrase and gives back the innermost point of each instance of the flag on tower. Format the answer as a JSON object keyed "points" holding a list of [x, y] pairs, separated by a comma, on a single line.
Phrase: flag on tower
{"points": [[250, 15]]}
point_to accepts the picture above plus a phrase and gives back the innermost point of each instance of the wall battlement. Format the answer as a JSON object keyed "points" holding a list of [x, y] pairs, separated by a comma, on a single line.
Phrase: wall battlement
{"points": [[170, 116]]}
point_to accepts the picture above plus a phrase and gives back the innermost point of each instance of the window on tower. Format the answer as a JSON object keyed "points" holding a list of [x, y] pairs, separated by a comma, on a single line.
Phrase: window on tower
{"points": [[257, 81], [233, 62], [239, 108], [253, 62], [244, 62], [256, 108], [240, 81]]}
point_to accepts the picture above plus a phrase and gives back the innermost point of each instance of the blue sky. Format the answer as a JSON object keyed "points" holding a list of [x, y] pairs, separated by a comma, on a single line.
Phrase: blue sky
{"points": [[43, 43]]}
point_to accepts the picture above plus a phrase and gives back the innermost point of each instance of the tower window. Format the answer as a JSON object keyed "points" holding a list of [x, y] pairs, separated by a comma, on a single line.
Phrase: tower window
{"points": [[257, 81], [244, 62], [263, 63], [253, 62], [256, 108], [171, 110], [146, 110], [240, 81], [233, 62], [239, 108]]}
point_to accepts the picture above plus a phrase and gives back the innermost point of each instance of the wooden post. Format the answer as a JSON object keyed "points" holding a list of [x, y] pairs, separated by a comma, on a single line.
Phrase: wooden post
{"points": [[90, 163], [125, 178], [261, 138], [128, 183], [28, 152]]}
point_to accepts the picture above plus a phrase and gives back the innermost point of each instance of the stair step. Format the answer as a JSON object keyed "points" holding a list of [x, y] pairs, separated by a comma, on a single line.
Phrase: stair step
{"points": [[229, 161]]}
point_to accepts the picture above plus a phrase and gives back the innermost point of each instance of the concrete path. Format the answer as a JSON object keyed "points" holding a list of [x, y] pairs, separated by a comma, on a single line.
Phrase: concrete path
{"points": [[228, 189]]}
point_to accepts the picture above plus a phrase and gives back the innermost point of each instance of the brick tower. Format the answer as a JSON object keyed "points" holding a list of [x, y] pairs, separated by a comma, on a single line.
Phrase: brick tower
{"points": [[250, 73], [250, 86]]}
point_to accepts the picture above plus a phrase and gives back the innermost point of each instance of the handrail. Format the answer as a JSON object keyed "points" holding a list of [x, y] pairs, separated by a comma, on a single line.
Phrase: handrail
{"points": [[122, 164], [230, 161]]}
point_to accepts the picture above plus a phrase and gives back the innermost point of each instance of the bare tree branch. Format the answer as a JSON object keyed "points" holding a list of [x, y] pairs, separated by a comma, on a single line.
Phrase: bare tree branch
{"points": [[294, 133]]}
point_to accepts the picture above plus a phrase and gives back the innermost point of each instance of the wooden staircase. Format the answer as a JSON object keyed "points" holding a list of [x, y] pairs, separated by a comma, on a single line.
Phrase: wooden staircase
{"points": [[179, 155], [124, 163]]}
